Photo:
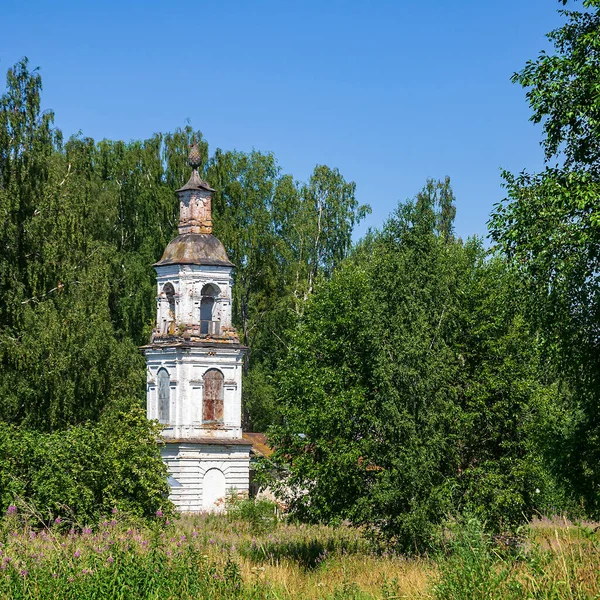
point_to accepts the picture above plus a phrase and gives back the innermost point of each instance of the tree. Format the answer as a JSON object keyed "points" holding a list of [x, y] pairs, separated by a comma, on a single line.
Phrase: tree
{"points": [[549, 227], [390, 380]]}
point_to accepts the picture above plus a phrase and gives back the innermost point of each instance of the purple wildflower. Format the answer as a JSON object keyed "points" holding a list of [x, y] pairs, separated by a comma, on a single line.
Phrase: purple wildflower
{"points": [[194, 534], [11, 510], [115, 511], [159, 513], [58, 520], [77, 553], [24, 572], [110, 560]]}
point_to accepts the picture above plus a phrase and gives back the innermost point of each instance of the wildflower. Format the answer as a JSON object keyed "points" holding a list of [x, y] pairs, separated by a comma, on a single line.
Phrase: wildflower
{"points": [[86, 571], [24, 572], [110, 560], [58, 520], [194, 534], [113, 523], [182, 537], [77, 553], [11, 510], [87, 530], [159, 513], [115, 511], [32, 535], [211, 541]]}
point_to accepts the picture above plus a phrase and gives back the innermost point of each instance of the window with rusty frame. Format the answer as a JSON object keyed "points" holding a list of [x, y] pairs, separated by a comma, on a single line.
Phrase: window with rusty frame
{"points": [[212, 401]]}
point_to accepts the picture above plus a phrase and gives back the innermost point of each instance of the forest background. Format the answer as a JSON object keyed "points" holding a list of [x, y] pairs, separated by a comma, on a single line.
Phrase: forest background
{"points": [[411, 378]]}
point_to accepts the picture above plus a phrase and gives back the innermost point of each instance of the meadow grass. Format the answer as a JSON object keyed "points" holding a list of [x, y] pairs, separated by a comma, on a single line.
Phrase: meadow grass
{"points": [[256, 556]]}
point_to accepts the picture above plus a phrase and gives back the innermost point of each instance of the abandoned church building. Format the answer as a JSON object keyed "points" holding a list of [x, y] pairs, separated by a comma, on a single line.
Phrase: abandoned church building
{"points": [[194, 360]]}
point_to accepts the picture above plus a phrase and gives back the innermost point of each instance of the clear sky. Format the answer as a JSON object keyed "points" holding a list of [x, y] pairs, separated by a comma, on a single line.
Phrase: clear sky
{"points": [[390, 92]]}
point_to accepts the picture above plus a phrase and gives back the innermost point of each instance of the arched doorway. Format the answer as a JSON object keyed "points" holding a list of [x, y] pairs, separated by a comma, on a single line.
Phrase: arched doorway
{"points": [[213, 489]]}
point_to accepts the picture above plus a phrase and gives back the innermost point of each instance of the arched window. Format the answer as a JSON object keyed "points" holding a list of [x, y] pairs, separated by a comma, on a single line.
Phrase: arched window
{"points": [[209, 294], [169, 313], [212, 400], [164, 396]]}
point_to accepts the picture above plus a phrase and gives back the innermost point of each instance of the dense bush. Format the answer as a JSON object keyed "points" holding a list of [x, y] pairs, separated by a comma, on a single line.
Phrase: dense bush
{"points": [[86, 471]]}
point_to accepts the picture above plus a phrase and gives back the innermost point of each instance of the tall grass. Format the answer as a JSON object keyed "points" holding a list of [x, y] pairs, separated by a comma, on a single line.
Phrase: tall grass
{"points": [[552, 562], [251, 553]]}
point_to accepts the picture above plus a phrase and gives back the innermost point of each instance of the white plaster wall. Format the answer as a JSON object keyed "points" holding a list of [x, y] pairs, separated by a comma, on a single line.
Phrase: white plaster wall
{"points": [[186, 368], [188, 281], [187, 463]]}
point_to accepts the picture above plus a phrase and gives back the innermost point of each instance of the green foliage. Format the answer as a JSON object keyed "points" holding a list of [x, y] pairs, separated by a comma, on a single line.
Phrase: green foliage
{"points": [[411, 389], [261, 515], [472, 569], [548, 228], [86, 471]]}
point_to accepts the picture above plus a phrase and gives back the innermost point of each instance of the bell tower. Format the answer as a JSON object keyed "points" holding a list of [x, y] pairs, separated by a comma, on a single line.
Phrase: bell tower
{"points": [[194, 359]]}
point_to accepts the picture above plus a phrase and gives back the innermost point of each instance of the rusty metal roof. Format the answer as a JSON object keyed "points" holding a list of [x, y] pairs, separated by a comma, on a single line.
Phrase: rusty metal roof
{"points": [[259, 443], [195, 183], [195, 249]]}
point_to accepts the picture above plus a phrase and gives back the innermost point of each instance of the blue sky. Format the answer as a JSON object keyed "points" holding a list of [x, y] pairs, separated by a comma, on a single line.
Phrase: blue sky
{"points": [[391, 92]]}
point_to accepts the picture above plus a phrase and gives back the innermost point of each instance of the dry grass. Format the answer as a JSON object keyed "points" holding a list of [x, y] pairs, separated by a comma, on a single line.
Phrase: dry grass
{"points": [[559, 559], [368, 575], [276, 559]]}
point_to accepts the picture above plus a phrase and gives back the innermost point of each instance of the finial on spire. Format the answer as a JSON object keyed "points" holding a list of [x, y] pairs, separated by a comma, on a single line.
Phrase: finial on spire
{"points": [[194, 157]]}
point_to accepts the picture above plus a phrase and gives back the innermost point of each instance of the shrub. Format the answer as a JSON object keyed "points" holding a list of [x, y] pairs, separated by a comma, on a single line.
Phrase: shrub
{"points": [[85, 471], [261, 515]]}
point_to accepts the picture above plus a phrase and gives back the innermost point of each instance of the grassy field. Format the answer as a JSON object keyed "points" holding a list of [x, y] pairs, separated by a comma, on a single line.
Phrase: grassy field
{"points": [[252, 556]]}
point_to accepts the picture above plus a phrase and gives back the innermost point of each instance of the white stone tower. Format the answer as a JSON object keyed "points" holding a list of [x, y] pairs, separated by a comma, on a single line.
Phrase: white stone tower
{"points": [[194, 360]]}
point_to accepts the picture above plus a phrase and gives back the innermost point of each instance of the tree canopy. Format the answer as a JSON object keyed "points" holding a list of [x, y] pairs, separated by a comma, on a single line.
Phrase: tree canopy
{"points": [[549, 228], [411, 389]]}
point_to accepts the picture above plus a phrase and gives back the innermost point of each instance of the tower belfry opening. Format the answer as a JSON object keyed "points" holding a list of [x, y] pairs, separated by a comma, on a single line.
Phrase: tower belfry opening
{"points": [[194, 358]]}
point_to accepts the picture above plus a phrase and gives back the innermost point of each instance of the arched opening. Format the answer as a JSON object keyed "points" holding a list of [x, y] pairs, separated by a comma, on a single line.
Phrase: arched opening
{"points": [[169, 312], [212, 397], [208, 322], [164, 395], [213, 489]]}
